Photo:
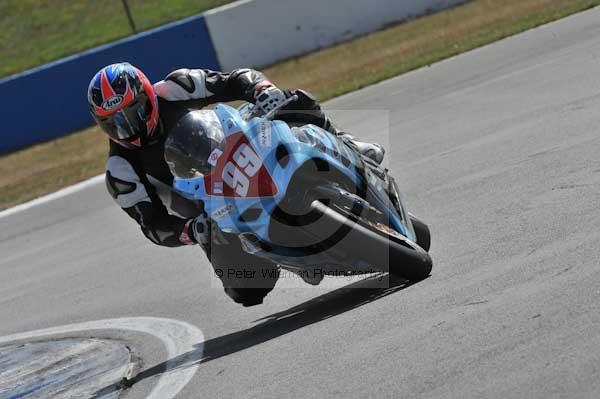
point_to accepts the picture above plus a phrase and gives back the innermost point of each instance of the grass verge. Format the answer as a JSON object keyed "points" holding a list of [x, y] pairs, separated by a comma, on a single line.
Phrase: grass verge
{"points": [[34, 32], [47, 167]]}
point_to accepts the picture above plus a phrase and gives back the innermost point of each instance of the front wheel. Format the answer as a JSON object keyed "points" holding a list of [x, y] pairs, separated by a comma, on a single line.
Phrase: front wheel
{"points": [[373, 243], [422, 232]]}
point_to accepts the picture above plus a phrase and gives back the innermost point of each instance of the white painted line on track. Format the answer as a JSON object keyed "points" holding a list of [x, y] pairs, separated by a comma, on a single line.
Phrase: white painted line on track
{"points": [[51, 197], [180, 338]]}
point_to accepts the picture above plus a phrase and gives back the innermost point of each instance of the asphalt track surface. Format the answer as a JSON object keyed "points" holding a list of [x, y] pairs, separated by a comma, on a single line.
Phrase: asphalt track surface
{"points": [[498, 150]]}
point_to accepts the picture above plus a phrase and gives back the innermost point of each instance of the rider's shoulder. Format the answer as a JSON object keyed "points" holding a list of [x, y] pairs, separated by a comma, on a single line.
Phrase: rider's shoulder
{"points": [[182, 84]]}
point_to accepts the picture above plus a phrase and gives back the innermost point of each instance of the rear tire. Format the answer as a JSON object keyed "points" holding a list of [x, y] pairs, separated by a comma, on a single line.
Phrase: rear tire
{"points": [[357, 240]]}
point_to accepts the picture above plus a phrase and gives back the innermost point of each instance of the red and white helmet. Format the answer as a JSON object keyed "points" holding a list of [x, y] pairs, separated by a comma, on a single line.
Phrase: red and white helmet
{"points": [[124, 104]]}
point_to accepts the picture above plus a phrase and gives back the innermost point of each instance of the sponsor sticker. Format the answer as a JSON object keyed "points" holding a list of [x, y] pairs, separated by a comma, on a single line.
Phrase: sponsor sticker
{"points": [[218, 187], [112, 102], [264, 134], [222, 212], [214, 156]]}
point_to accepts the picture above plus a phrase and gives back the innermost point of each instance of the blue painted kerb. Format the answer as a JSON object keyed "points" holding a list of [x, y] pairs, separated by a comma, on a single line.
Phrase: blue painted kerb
{"points": [[50, 101]]}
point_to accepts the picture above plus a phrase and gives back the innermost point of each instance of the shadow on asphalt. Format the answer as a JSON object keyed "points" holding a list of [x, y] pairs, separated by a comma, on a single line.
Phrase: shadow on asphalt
{"points": [[317, 309]]}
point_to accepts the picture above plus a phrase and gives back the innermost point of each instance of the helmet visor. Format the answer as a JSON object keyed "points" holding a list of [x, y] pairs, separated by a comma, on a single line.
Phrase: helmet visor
{"points": [[194, 145], [128, 122]]}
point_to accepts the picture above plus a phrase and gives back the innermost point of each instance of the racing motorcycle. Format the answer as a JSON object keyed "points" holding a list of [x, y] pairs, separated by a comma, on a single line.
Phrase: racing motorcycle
{"points": [[297, 196]]}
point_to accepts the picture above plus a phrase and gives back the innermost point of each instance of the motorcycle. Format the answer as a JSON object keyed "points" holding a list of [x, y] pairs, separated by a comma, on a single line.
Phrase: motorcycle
{"points": [[299, 196]]}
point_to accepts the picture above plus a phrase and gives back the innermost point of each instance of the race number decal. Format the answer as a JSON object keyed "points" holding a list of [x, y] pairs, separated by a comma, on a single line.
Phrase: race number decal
{"points": [[247, 159], [236, 179], [237, 172], [240, 172]]}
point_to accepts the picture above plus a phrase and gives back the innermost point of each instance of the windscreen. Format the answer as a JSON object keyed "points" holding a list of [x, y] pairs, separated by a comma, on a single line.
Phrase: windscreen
{"points": [[194, 144]]}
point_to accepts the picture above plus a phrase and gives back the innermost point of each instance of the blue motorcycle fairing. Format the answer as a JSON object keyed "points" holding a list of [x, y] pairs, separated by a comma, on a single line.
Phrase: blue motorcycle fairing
{"points": [[239, 214]]}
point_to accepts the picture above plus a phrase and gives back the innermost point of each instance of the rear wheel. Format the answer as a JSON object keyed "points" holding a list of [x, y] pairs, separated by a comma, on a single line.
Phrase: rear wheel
{"points": [[376, 244]]}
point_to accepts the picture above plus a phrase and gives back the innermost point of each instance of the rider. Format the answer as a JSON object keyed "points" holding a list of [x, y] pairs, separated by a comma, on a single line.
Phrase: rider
{"points": [[138, 115]]}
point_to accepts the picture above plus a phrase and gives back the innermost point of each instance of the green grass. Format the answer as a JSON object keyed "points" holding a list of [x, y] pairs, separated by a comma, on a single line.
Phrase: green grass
{"points": [[34, 32], [43, 168]]}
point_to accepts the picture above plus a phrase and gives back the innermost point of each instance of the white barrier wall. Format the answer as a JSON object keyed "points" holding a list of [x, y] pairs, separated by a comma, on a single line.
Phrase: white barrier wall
{"points": [[257, 33]]}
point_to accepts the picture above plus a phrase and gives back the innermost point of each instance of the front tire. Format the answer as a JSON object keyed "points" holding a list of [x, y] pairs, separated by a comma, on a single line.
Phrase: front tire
{"points": [[357, 239], [422, 232]]}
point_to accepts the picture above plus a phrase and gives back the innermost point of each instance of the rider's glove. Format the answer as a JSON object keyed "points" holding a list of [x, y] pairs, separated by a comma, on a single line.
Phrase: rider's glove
{"points": [[268, 97], [196, 230]]}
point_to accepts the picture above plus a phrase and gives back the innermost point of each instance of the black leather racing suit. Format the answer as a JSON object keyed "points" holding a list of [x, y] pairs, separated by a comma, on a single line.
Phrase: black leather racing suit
{"points": [[141, 183]]}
